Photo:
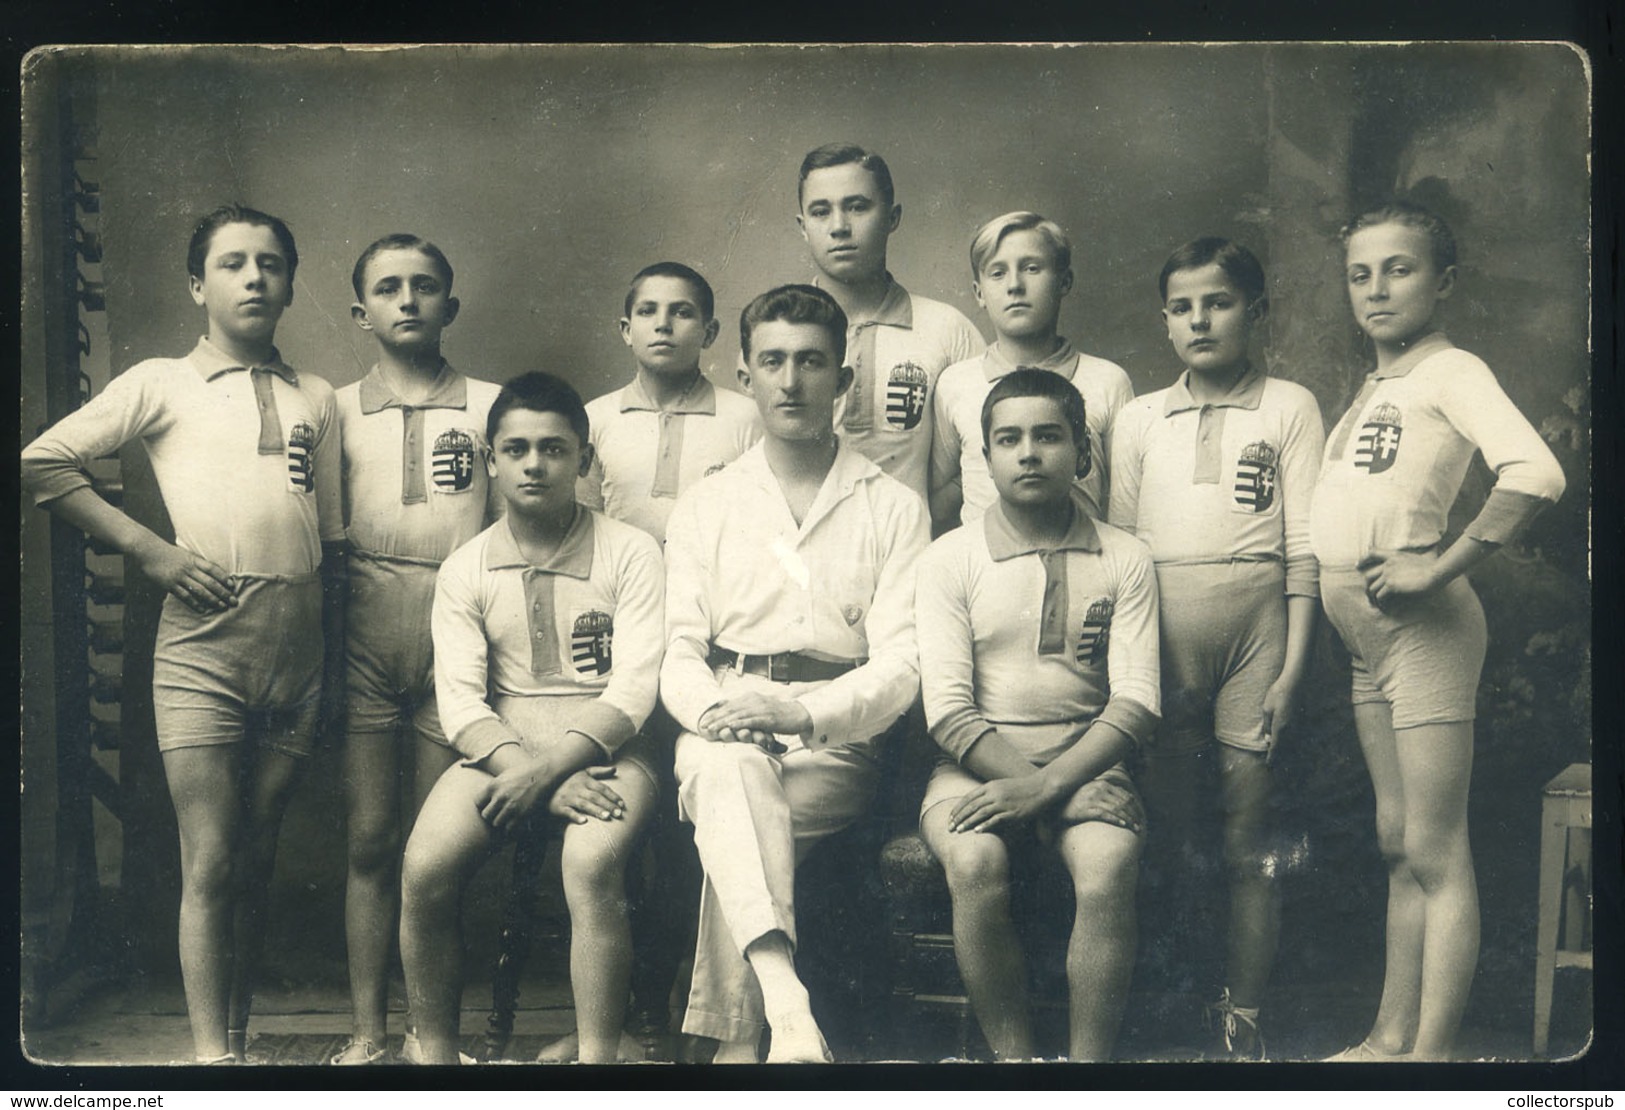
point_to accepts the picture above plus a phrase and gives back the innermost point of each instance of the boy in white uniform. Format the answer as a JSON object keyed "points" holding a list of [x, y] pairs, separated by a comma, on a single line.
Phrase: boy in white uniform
{"points": [[1021, 268], [548, 637], [246, 454], [669, 427], [653, 439], [790, 649], [1038, 655], [1214, 475], [415, 490], [897, 343]]}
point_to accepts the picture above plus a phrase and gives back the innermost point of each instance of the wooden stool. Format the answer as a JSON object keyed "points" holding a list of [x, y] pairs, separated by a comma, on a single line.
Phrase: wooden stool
{"points": [[1565, 877]]}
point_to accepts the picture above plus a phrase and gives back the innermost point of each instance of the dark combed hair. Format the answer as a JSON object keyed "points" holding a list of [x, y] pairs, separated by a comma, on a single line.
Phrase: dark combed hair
{"points": [[795, 304], [539, 391], [1239, 264], [1410, 214], [844, 154], [703, 296], [197, 250], [400, 241], [1030, 381]]}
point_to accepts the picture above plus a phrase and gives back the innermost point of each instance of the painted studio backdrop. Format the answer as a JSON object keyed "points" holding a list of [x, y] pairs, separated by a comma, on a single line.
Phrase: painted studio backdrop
{"points": [[551, 175]]}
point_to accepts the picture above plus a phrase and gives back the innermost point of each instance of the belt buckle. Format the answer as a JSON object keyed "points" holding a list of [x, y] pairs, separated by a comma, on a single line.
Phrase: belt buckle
{"points": [[778, 666]]}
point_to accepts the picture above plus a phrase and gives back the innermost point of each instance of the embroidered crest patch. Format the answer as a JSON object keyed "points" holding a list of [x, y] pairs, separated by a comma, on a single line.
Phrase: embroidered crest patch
{"points": [[1378, 445], [301, 441], [451, 464], [906, 387], [591, 642], [1096, 634], [1255, 477]]}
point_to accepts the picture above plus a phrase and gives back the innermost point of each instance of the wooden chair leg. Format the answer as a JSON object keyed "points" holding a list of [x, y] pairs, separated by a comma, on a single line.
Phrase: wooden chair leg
{"points": [[1553, 842], [513, 950]]}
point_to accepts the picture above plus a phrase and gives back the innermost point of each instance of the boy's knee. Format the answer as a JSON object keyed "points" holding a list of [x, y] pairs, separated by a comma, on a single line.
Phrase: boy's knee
{"points": [[426, 881], [1246, 856], [1428, 855], [373, 849], [1391, 840], [597, 872], [1107, 877], [210, 873], [976, 865]]}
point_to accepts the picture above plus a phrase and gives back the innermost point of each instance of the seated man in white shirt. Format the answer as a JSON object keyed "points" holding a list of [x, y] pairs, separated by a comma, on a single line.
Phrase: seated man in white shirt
{"points": [[790, 648]]}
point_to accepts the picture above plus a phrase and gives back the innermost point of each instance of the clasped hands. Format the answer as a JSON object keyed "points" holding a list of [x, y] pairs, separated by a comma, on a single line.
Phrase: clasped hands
{"points": [[508, 796], [752, 717]]}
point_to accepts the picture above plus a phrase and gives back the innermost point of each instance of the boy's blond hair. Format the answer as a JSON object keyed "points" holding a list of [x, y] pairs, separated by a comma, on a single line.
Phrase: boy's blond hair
{"points": [[992, 233]]}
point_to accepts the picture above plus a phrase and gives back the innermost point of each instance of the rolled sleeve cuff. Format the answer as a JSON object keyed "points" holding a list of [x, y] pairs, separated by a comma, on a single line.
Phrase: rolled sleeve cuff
{"points": [[1130, 718], [479, 738], [605, 726], [47, 481], [1303, 579], [956, 735], [1505, 514]]}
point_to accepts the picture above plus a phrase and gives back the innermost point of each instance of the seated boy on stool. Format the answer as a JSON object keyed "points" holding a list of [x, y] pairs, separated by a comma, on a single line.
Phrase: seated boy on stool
{"points": [[1038, 651], [547, 644], [790, 648]]}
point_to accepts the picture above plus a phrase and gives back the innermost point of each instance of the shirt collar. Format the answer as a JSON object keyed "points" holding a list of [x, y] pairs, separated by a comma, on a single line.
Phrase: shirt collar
{"points": [[573, 557], [449, 391], [1245, 394], [896, 309], [849, 468], [1430, 344], [701, 398], [1064, 361], [1004, 542], [211, 362]]}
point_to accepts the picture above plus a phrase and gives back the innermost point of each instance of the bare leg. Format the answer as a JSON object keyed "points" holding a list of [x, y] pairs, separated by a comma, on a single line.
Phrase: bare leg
{"points": [[272, 777], [1255, 900], [986, 946], [448, 844], [594, 866], [1394, 1030], [1436, 762], [1104, 861], [372, 793], [429, 762], [202, 784]]}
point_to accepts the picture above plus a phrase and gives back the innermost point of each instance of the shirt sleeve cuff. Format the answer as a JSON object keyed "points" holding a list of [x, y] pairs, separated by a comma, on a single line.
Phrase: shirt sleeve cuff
{"points": [[479, 738], [1130, 718], [1303, 580], [957, 735], [967, 739], [1505, 514], [605, 726], [49, 483], [826, 717]]}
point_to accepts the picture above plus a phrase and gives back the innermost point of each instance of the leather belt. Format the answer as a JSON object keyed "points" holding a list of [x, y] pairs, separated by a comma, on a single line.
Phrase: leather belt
{"points": [[785, 666]]}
